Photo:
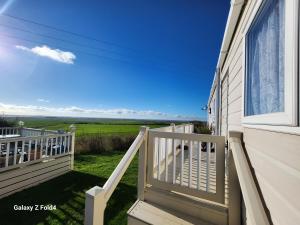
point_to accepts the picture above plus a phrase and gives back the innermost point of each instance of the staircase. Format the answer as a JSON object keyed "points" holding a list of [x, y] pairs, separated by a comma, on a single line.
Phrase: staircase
{"points": [[164, 207], [181, 180]]}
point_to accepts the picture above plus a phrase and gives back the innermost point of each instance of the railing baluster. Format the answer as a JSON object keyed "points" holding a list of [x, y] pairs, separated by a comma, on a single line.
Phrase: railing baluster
{"points": [[199, 165], [22, 152], [46, 147], [158, 155], [7, 154], [65, 143], [182, 162], [190, 162], [35, 148], [69, 142], [29, 151], [51, 145], [174, 160], [166, 160], [207, 166], [41, 147], [15, 152], [55, 146], [55, 150], [61, 144]]}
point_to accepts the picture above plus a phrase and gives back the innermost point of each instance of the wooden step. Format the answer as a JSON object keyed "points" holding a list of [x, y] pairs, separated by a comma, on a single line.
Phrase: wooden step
{"points": [[142, 213], [201, 209]]}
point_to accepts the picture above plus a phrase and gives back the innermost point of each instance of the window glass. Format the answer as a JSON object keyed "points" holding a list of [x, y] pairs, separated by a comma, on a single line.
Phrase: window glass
{"points": [[264, 90]]}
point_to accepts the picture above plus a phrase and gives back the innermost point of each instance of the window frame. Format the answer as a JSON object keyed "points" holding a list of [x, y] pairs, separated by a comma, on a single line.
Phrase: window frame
{"points": [[290, 116]]}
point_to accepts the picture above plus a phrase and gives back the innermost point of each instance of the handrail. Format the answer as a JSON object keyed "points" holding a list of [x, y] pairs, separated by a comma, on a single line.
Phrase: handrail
{"points": [[173, 127], [40, 129], [27, 138], [97, 197], [250, 194], [112, 182], [9, 127]]}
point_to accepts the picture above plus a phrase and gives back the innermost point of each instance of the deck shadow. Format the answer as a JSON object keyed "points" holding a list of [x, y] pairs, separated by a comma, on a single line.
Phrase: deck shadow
{"points": [[67, 192]]}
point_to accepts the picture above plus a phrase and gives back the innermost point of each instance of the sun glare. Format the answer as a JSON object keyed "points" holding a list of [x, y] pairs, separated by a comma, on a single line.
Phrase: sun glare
{"points": [[5, 6]]}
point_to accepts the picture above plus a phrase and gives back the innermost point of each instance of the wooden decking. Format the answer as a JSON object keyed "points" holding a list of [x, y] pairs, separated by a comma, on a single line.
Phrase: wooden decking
{"points": [[143, 213]]}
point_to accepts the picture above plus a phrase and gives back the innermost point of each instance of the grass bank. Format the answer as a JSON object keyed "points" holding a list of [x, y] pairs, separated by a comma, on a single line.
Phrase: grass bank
{"points": [[67, 192]]}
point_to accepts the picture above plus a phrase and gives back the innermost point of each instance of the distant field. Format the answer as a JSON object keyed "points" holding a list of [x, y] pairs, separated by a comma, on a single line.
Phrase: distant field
{"points": [[105, 129], [88, 126]]}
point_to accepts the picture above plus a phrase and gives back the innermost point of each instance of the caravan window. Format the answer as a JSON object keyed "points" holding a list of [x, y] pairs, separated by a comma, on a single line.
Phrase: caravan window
{"points": [[269, 69]]}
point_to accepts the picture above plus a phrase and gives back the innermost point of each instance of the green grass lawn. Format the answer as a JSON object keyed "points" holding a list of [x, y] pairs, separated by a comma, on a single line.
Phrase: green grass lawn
{"points": [[104, 129], [92, 126], [67, 192]]}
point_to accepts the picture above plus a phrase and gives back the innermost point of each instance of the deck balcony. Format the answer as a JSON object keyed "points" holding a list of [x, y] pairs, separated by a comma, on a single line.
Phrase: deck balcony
{"points": [[181, 179], [184, 178], [21, 146], [30, 156]]}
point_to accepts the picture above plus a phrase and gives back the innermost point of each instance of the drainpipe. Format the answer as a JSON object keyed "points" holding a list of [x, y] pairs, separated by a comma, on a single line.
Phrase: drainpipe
{"points": [[218, 102]]}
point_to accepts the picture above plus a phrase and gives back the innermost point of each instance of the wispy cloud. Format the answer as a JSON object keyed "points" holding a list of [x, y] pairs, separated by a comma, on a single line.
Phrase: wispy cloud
{"points": [[54, 54], [43, 100], [86, 112]]}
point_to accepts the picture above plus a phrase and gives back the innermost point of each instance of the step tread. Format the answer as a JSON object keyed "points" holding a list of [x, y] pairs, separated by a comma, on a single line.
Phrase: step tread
{"points": [[156, 215]]}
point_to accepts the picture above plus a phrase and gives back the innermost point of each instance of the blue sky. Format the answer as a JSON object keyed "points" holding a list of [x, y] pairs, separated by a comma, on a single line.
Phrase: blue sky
{"points": [[143, 59]]}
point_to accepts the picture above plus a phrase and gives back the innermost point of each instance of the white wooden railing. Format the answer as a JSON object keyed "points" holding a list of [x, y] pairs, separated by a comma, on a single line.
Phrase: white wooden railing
{"points": [[164, 162], [97, 197], [9, 130], [35, 147], [189, 163], [24, 131], [182, 128], [253, 203]]}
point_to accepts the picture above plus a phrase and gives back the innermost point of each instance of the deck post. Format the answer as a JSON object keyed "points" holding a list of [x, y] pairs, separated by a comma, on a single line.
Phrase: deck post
{"points": [[142, 164], [20, 128], [234, 195], [173, 127], [73, 129], [95, 205]]}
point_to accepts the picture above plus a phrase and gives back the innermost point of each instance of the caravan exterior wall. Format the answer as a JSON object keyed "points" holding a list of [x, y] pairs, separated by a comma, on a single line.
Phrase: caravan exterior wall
{"points": [[272, 149]]}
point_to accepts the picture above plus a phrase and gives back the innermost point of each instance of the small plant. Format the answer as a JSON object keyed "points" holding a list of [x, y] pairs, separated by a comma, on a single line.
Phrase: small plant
{"points": [[98, 143], [21, 123], [201, 127]]}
